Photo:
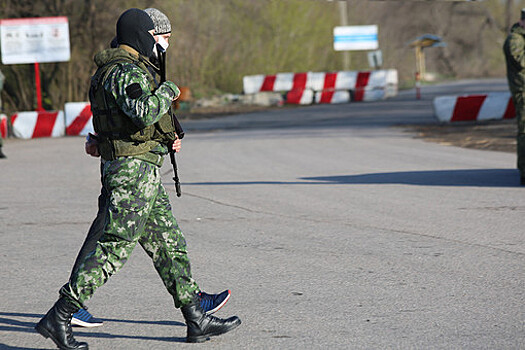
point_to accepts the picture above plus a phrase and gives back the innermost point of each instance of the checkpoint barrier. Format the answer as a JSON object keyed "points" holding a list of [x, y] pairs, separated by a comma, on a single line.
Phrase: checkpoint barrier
{"points": [[493, 105], [79, 119], [333, 96], [28, 125], [299, 97], [365, 86], [3, 126]]}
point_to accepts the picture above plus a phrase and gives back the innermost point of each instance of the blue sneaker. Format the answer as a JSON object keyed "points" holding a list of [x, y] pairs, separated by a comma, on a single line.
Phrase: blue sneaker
{"points": [[211, 303], [83, 318]]}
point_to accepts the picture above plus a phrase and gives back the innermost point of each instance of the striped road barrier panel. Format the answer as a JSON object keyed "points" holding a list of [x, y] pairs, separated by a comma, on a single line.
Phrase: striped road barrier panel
{"points": [[332, 96], [358, 82], [493, 105], [300, 97], [28, 125], [79, 119]]}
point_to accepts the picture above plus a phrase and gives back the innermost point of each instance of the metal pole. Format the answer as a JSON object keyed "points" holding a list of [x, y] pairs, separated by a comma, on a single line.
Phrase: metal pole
{"points": [[418, 72], [38, 88], [343, 13], [422, 65]]}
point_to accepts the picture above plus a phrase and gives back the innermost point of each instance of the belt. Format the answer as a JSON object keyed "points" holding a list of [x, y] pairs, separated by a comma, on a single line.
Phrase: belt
{"points": [[155, 159]]}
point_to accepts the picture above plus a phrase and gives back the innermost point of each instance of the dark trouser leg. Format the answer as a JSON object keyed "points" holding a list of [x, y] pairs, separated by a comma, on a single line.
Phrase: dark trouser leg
{"points": [[519, 104], [131, 186], [95, 231], [2, 155]]}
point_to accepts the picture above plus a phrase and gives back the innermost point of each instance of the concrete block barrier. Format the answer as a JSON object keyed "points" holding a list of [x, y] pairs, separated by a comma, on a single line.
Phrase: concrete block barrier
{"points": [[28, 125], [333, 96], [79, 119], [300, 97], [494, 105], [360, 83], [280, 82]]}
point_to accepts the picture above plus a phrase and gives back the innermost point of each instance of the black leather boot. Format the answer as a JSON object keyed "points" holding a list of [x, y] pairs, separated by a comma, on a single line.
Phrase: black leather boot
{"points": [[201, 326], [56, 325]]}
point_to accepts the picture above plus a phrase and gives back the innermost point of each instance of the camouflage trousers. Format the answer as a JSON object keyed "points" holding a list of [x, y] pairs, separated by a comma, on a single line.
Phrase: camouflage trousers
{"points": [[518, 98], [138, 211]]}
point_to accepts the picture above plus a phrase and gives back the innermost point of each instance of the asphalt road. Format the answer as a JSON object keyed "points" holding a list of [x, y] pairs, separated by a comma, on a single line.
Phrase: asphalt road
{"points": [[333, 227]]}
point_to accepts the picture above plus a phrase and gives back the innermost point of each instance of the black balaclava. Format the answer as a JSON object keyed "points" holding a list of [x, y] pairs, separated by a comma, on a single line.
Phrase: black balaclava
{"points": [[133, 28]]}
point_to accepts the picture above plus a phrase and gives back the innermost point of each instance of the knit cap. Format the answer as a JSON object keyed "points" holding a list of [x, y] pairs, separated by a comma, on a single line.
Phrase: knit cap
{"points": [[160, 20]]}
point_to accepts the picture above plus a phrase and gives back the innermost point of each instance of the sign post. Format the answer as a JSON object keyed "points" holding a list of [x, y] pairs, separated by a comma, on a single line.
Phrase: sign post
{"points": [[424, 41], [38, 88], [35, 40]]}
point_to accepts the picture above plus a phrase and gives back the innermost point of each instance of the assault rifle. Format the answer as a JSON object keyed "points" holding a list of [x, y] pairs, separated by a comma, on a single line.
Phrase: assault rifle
{"points": [[178, 128]]}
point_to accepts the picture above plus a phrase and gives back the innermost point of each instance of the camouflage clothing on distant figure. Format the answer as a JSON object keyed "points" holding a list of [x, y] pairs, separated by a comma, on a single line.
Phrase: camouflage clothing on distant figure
{"points": [[514, 49], [2, 78]]}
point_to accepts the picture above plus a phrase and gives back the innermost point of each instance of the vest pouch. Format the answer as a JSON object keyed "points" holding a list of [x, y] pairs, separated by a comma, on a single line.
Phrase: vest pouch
{"points": [[165, 124], [141, 135], [165, 130]]}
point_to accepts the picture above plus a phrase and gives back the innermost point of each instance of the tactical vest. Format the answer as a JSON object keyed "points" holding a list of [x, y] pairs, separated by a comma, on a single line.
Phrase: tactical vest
{"points": [[118, 135]]}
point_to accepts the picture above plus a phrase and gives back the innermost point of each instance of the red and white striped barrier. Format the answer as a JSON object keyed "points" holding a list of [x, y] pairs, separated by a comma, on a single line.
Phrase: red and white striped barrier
{"points": [[79, 119], [27, 125], [494, 105], [359, 82], [299, 97], [3, 126], [333, 96]]}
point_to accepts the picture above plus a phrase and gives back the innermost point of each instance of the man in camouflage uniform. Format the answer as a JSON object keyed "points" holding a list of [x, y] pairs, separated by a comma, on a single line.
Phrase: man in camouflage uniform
{"points": [[514, 49], [209, 302], [129, 115]]}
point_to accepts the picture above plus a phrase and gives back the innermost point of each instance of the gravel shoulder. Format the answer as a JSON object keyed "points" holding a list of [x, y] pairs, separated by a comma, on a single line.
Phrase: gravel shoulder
{"points": [[499, 135], [496, 135]]}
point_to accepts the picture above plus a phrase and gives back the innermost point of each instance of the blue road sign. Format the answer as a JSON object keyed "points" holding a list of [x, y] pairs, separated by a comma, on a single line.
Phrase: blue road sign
{"points": [[349, 38]]}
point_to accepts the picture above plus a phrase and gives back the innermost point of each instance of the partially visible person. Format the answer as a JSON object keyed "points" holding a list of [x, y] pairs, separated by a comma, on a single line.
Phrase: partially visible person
{"points": [[514, 49], [2, 77], [2, 155], [210, 303]]}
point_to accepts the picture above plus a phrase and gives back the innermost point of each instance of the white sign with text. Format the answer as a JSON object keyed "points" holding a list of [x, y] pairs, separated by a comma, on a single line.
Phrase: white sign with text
{"points": [[32, 40], [350, 38]]}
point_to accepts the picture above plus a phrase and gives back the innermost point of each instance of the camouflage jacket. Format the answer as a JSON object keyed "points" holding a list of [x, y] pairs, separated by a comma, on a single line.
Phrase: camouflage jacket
{"points": [[135, 117], [514, 49]]}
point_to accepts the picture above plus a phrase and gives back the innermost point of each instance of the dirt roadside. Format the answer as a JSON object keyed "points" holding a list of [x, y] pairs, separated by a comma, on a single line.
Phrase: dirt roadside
{"points": [[497, 135]]}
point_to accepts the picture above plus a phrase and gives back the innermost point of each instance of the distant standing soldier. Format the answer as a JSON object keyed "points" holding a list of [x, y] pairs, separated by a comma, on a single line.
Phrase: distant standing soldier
{"points": [[514, 49], [2, 155]]}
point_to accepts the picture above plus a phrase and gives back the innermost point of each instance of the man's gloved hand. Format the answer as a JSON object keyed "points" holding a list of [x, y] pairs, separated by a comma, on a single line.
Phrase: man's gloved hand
{"points": [[91, 145]]}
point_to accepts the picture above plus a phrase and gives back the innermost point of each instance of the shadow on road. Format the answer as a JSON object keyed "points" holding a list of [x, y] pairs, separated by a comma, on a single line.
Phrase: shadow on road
{"points": [[459, 177], [10, 324]]}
